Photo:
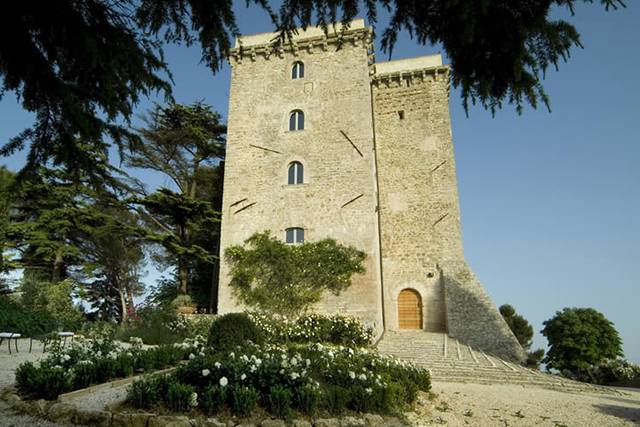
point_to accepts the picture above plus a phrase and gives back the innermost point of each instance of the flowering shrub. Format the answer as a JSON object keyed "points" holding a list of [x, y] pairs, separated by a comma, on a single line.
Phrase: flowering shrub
{"points": [[283, 378], [84, 363], [611, 371], [334, 329], [191, 325]]}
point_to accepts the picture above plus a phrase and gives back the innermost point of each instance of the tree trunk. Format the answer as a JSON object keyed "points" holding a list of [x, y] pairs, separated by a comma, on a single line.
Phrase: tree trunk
{"points": [[182, 275], [58, 263], [123, 305]]}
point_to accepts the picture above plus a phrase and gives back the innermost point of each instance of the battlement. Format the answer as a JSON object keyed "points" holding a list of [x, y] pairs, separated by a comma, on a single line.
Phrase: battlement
{"points": [[313, 37]]}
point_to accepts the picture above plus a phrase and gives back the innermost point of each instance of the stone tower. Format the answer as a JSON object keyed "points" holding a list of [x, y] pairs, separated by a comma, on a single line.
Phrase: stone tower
{"points": [[325, 142]]}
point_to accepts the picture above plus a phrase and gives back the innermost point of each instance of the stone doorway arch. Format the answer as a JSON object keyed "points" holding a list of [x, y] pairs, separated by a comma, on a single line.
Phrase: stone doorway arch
{"points": [[409, 309]]}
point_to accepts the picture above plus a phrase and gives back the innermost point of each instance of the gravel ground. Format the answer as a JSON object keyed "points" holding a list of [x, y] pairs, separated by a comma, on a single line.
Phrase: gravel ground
{"points": [[459, 404], [455, 404], [8, 365]]}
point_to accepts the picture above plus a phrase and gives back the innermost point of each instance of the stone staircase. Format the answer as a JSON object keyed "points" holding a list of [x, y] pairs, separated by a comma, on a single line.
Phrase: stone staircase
{"points": [[449, 360]]}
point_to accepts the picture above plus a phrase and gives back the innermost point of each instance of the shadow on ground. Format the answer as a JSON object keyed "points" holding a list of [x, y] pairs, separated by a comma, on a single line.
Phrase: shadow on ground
{"points": [[623, 412]]}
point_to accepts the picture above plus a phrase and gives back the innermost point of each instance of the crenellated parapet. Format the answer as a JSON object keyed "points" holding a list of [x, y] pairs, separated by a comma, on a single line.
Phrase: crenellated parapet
{"points": [[313, 39], [404, 72]]}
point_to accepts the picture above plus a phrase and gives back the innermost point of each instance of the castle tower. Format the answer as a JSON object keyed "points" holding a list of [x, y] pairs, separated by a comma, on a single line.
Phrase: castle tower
{"points": [[324, 142]]}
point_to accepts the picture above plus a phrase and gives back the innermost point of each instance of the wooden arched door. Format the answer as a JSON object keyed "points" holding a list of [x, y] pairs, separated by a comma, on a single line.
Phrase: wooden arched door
{"points": [[409, 309]]}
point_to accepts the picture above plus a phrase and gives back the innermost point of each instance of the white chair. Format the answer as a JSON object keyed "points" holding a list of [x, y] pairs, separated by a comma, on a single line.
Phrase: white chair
{"points": [[10, 336]]}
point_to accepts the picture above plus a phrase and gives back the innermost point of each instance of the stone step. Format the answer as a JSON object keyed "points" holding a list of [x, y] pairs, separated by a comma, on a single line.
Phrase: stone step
{"points": [[452, 361]]}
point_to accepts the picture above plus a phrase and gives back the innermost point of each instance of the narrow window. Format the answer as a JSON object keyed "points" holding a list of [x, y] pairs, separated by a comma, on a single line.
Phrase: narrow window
{"points": [[295, 235], [401, 114], [297, 71], [296, 173], [296, 120]]}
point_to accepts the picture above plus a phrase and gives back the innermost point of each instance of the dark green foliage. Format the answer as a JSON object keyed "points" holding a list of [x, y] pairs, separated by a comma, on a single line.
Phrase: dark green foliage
{"points": [[612, 372], [48, 380], [523, 332], [14, 318], [534, 358], [142, 394], [213, 399], [279, 401], [579, 338], [82, 66], [336, 399], [307, 400], [242, 400], [180, 397], [38, 382], [151, 325], [275, 277], [520, 327], [184, 143], [231, 330]]}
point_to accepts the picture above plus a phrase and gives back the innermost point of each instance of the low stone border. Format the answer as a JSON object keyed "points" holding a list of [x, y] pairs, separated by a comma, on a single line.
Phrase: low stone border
{"points": [[111, 384], [61, 412]]}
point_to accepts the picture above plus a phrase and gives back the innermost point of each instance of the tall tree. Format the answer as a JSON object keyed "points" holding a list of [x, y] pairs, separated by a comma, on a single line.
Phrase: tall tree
{"points": [[182, 142], [112, 254], [523, 332], [82, 66], [6, 183]]}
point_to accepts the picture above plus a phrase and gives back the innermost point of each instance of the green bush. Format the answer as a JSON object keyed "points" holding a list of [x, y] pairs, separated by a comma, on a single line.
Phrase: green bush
{"points": [[143, 394], [16, 318], [42, 382], [180, 397], [242, 400], [311, 328], [307, 399], [336, 399], [213, 399], [279, 401], [611, 371], [232, 330], [152, 326]]}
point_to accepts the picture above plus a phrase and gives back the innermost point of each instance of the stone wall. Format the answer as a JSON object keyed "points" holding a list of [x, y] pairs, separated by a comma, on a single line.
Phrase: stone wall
{"points": [[419, 216], [472, 317], [338, 197]]}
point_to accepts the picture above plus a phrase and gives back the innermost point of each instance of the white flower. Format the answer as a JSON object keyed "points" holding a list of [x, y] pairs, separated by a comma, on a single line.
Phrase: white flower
{"points": [[224, 381], [217, 365], [201, 353], [294, 375], [193, 399], [352, 375], [308, 362], [362, 377], [368, 390], [192, 356], [205, 372], [66, 357]]}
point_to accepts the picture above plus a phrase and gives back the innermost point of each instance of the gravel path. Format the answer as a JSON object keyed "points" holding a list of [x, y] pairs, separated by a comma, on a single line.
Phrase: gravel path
{"points": [[8, 365]]}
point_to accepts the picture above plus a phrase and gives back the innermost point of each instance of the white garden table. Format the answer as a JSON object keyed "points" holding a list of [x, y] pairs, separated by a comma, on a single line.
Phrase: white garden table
{"points": [[10, 336]]}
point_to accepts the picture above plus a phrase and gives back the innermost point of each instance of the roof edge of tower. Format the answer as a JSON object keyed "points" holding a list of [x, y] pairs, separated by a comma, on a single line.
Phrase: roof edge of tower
{"points": [[266, 44], [409, 64]]}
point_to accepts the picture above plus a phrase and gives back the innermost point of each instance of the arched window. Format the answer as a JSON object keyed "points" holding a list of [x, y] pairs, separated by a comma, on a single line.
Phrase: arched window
{"points": [[296, 173], [297, 70], [294, 235], [296, 120]]}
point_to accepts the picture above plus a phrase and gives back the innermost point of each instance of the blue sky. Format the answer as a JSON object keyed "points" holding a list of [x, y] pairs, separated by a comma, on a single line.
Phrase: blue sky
{"points": [[550, 202]]}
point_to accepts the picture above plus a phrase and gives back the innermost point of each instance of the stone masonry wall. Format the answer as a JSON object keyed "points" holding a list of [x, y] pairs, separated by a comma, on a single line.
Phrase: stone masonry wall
{"points": [[419, 217], [338, 197], [472, 317]]}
